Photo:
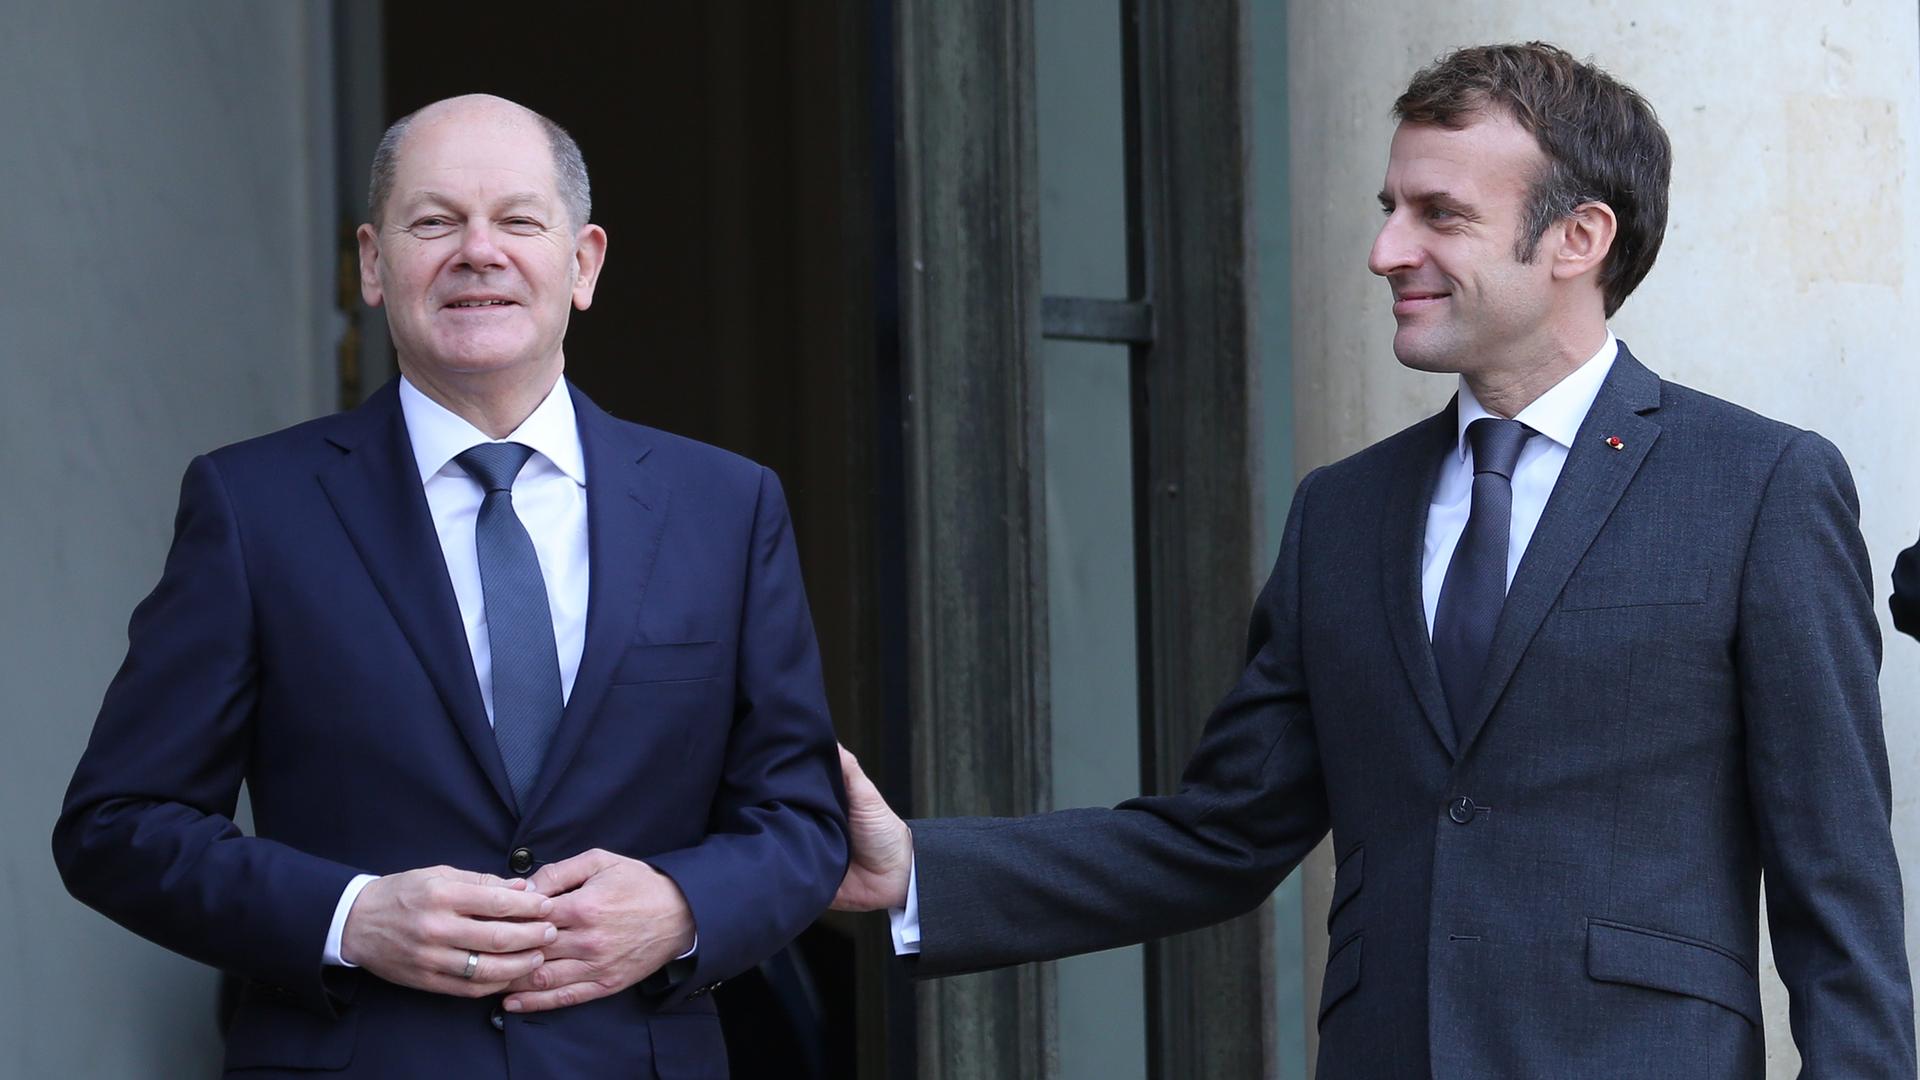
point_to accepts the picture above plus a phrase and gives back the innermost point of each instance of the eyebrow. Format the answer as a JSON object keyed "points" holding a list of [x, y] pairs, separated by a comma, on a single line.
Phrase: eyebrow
{"points": [[1439, 198], [514, 201]]}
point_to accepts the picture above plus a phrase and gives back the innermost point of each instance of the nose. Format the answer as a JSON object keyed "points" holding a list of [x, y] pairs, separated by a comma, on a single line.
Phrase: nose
{"points": [[1394, 248], [477, 249]]}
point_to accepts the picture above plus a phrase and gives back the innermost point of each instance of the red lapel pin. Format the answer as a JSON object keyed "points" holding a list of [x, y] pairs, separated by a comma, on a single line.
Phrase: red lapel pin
{"points": [[1614, 441]]}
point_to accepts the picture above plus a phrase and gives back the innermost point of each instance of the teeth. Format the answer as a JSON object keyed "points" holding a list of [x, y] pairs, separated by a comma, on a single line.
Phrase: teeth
{"points": [[481, 303]]}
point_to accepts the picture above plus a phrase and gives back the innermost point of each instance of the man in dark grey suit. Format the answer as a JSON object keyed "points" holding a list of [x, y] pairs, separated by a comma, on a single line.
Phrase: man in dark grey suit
{"points": [[1564, 668]]}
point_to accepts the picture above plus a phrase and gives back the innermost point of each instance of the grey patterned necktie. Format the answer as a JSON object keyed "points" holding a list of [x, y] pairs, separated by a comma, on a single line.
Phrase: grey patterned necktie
{"points": [[526, 666], [1475, 587]]}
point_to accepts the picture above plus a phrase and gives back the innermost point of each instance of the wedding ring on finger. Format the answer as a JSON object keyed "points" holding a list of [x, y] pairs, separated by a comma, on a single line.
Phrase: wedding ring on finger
{"points": [[473, 965]]}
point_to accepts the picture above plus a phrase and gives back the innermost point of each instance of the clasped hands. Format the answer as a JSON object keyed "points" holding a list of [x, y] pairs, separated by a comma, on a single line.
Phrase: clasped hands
{"points": [[579, 929]]}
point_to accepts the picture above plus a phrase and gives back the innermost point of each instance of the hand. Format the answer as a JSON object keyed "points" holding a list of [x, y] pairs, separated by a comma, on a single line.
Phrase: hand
{"points": [[620, 921], [882, 846], [416, 929]]}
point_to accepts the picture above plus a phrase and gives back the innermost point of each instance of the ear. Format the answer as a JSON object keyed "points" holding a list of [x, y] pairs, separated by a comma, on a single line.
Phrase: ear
{"points": [[1579, 242], [589, 255], [369, 265]]}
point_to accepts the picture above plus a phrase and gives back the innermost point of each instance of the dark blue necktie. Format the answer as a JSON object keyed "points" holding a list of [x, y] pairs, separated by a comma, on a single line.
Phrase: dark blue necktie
{"points": [[1476, 583], [526, 665]]}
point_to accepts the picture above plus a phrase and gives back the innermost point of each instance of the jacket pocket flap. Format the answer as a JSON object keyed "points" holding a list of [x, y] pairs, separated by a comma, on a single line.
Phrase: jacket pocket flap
{"points": [[269, 1035], [1343, 975], [677, 660], [1346, 880], [1640, 588], [1618, 953]]}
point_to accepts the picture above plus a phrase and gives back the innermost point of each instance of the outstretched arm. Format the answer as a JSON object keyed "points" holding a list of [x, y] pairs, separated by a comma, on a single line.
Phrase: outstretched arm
{"points": [[998, 891]]}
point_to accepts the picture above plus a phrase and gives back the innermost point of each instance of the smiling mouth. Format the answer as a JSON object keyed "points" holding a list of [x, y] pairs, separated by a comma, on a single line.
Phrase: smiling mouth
{"points": [[1409, 302], [480, 303]]}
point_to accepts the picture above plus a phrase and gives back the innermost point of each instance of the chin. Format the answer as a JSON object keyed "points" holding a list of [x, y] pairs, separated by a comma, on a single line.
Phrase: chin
{"points": [[1426, 356], [481, 357]]}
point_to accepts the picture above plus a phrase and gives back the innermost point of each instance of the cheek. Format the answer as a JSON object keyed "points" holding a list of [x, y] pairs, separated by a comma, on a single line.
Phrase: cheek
{"points": [[1501, 280], [406, 286]]}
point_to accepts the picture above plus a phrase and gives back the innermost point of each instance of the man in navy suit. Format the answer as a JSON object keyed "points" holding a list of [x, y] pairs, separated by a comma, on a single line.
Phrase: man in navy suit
{"points": [[1563, 667], [526, 698]]}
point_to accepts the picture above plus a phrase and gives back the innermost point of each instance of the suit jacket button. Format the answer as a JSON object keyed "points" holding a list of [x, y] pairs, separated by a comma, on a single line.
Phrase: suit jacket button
{"points": [[1461, 810], [521, 860], [498, 1018]]}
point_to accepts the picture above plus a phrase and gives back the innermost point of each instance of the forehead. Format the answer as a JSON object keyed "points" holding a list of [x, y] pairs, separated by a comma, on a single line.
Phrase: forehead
{"points": [[1490, 158], [475, 152]]}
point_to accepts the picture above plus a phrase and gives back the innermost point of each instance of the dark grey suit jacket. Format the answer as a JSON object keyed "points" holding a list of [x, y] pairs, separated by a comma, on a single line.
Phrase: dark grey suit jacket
{"points": [[1681, 693]]}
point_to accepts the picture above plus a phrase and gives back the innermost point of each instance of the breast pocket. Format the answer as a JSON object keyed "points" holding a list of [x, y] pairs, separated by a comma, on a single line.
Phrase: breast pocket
{"points": [[675, 661], [1628, 588]]}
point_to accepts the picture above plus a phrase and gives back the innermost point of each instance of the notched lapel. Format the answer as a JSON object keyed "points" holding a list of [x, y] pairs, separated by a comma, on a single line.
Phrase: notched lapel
{"points": [[1590, 486], [375, 490], [627, 505], [1403, 548]]}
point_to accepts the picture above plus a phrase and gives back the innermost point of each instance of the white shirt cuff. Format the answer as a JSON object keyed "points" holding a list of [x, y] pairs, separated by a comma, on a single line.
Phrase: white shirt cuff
{"points": [[331, 954], [905, 921], [691, 949]]}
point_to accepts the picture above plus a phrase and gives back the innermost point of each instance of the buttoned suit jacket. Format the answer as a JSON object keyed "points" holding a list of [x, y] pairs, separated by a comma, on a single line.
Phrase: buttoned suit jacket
{"points": [[304, 638], [1681, 693]]}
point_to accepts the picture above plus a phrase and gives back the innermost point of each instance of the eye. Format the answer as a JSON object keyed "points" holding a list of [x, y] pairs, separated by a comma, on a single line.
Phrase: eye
{"points": [[431, 225], [522, 224], [1440, 213]]}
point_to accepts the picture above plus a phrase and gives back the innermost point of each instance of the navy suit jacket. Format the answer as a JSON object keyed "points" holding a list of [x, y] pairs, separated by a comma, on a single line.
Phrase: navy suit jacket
{"points": [[304, 639], [1681, 692]]}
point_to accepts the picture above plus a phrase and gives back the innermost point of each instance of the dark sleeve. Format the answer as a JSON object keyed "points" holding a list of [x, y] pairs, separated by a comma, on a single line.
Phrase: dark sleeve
{"points": [[1906, 592], [776, 844], [146, 834], [1251, 805], [1808, 650]]}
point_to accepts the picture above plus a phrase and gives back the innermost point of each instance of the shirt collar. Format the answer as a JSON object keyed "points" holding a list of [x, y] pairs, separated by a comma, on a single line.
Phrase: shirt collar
{"points": [[1557, 414], [439, 435]]}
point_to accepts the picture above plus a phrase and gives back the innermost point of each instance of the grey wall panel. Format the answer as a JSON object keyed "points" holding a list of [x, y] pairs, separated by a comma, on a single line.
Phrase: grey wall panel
{"points": [[164, 289]]}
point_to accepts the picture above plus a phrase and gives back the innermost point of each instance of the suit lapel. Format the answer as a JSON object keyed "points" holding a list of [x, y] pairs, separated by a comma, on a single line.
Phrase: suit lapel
{"points": [[375, 490], [1590, 485], [626, 514], [1401, 554]]}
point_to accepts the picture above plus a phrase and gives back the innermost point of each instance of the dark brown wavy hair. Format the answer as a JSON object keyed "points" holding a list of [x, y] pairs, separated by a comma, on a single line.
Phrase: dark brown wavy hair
{"points": [[1600, 137]]}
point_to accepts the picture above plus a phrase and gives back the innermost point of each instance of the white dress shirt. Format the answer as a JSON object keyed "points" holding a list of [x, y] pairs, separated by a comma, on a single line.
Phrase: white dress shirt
{"points": [[1556, 415], [550, 497]]}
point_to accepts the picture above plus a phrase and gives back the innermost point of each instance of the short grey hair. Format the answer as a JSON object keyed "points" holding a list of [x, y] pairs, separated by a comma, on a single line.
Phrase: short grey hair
{"points": [[569, 168]]}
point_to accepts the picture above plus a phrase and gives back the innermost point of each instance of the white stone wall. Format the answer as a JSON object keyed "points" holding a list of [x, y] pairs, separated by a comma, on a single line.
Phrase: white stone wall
{"points": [[163, 290], [1784, 284]]}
